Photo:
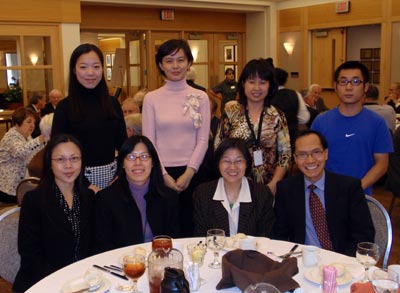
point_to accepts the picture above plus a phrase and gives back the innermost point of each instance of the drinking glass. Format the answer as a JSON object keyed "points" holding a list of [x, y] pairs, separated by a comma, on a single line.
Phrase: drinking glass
{"points": [[368, 255], [215, 241], [162, 241], [134, 268], [196, 252], [385, 281]]}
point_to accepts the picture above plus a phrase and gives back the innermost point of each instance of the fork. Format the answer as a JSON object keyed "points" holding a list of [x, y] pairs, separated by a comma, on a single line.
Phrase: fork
{"points": [[288, 254]]}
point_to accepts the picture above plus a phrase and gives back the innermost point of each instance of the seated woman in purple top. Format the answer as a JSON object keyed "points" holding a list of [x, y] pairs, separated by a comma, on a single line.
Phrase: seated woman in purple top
{"points": [[137, 205]]}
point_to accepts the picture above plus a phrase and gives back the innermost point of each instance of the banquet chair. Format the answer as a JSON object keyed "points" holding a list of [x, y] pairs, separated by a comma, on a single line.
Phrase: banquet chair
{"points": [[383, 227], [24, 186], [9, 257]]}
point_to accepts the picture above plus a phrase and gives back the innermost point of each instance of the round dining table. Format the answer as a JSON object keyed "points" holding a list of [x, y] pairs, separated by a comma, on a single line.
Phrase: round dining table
{"points": [[273, 248]]}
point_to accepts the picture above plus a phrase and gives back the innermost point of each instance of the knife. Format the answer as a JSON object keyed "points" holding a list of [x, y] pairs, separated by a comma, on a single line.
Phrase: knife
{"points": [[110, 272], [291, 251]]}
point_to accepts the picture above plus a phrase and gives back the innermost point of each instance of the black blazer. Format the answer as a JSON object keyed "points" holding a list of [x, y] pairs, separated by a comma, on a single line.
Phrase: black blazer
{"points": [[36, 132], [118, 221], [48, 108], [348, 216], [255, 218], [45, 237]]}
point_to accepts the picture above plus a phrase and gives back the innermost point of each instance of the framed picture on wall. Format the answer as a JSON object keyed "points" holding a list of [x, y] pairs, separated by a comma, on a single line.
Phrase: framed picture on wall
{"points": [[366, 54], [367, 64], [375, 77], [377, 53], [376, 66], [108, 60], [229, 53], [108, 73]]}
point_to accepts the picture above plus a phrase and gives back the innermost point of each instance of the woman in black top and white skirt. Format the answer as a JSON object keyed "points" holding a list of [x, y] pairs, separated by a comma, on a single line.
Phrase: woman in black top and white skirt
{"points": [[91, 115]]}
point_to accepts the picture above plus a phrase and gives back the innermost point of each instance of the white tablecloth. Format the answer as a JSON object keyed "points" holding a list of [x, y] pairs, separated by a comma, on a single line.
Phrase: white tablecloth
{"points": [[54, 282]]}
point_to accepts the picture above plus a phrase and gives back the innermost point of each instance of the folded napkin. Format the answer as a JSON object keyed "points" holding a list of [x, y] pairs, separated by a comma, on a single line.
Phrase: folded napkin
{"points": [[244, 267], [363, 288]]}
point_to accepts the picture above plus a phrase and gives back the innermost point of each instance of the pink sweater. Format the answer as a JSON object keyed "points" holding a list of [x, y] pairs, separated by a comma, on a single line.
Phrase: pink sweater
{"points": [[172, 129]]}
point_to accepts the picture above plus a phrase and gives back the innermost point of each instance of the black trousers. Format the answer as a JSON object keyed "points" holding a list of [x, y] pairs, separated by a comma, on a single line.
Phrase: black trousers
{"points": [[6, 198]]}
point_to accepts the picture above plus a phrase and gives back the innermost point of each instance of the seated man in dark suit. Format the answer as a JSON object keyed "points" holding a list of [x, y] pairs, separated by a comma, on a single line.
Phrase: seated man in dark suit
{"points": [[343, 218], [54, 97]]}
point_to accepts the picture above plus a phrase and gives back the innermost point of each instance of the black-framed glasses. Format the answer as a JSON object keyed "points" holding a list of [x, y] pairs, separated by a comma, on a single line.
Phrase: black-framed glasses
{"points": [[353, 82], [316, 154], [63, 160], [133, 157]]}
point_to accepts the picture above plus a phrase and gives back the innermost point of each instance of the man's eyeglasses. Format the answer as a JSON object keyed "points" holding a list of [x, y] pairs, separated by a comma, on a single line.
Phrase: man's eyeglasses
{"points": [[133, 157], [63, 160], [316, 154], [353, 82]]}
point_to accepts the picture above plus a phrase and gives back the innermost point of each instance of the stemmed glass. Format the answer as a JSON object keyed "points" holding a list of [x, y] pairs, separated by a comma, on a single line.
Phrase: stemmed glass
{"points": [[368, 255], [134, 268], [215, 241], [385, 281], [196, 252]]}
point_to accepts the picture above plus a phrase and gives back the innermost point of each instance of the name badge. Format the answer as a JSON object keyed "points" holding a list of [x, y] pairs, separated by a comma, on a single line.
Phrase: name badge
{"points": [[258, 159]]}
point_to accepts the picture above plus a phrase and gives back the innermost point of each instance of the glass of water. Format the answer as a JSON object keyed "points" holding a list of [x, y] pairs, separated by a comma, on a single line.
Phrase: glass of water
{"points": [[385, 281]]}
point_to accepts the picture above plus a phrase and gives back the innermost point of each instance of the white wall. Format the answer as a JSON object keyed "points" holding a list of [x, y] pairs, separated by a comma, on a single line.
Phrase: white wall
{"points": [[70, 36], [367, 36]]}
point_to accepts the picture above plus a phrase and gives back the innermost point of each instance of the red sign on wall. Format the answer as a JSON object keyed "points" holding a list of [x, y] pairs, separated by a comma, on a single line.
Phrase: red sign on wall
{"points": [[343, 6], [167, 15]]}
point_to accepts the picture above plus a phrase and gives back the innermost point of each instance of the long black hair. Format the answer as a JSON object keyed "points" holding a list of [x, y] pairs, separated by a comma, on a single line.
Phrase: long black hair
{"points": [[264, 70], [47, 182], [76, 90], [156, 185]]}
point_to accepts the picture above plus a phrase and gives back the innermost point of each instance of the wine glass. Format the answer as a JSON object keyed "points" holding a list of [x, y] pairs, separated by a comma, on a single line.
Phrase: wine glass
{"points": [[385, 281], [215, 241], [196, 252], [134, 268], [161, 241], [368, 255]]}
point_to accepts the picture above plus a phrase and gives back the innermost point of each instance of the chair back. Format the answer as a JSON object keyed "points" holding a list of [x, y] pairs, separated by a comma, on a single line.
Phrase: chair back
{"points": [[383, 228], [9, 257], [24, 186]]}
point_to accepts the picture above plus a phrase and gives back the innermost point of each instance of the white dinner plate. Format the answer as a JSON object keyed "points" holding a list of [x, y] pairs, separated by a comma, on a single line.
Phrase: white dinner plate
{"points": [[314, 275], [80, 283]]}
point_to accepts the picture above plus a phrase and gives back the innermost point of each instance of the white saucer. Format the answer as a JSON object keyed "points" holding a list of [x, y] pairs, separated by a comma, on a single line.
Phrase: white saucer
{"points": [[314, 275], [79, 283]]}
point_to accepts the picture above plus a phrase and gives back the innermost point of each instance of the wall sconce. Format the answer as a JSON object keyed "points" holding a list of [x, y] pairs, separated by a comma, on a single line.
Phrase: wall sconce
{"points": [[195, 52], [289, 48], [34, 59]]}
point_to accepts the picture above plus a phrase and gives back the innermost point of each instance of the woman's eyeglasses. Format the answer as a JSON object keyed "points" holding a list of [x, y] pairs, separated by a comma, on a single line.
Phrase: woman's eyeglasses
{"points": [[141, 157], [63, 160]]}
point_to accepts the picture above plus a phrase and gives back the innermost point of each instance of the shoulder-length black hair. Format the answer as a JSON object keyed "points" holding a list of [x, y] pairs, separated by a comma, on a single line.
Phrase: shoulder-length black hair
{"points": [[75, 89], [156, 178], [233, 143], [264, 70], [47, 182], [171, 47]]}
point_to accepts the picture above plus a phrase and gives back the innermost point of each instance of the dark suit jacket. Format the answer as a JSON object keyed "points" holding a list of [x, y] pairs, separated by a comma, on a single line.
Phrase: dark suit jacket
{"points": [[255, 218], [118, 221], [348, 216], [45, 237], [48, 108], [36, 132]]}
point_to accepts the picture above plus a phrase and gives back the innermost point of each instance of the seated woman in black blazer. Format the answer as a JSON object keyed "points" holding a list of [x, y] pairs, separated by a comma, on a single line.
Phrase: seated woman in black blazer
{"points": [[137, 206], [55, 220], [233, 203]]}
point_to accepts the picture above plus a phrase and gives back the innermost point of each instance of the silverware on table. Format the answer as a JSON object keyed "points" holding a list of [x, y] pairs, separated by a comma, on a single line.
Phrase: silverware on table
{"points": [[110, 272], [81, 290], [291, 251]]}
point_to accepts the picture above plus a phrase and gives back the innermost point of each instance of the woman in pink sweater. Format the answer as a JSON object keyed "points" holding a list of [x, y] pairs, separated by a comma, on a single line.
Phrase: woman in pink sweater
{"points": [[176, 118]]}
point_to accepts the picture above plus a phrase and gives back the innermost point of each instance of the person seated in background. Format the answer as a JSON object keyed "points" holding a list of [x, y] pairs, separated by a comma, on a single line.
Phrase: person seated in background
{"points": [[133, 124], [393, 97], [314, 91], [138, 205], [36, 104], [393, 172], [55, 222], [233, 203], [139, 97], [129, 107], [17, 147], [54, 97], [386, 111], [227, 89], [320, 208], [310, 104], [190, 79], [35, 166]]}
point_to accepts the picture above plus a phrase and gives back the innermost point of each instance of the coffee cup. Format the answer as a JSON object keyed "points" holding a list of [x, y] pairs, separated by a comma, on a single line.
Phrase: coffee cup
{"points": [[310, 256], [395, 268], [248, 243]]}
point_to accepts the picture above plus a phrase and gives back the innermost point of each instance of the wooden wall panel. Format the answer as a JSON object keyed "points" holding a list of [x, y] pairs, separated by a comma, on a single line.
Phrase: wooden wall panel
{"points": [[396, 8], [67, 11], [134, 18], [363, 11], [290, 18]]}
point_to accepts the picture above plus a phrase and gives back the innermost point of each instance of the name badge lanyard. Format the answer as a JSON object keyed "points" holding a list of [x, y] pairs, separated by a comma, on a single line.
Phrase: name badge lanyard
{"points": [[257, 153]]}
